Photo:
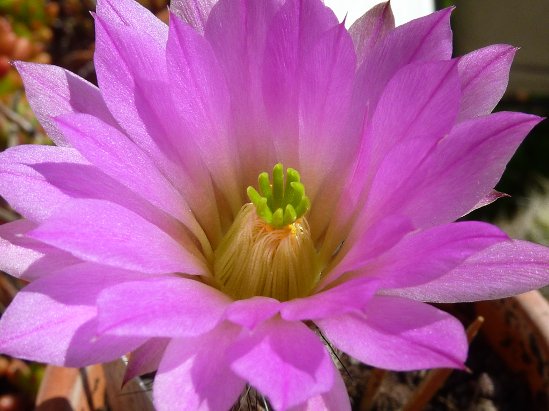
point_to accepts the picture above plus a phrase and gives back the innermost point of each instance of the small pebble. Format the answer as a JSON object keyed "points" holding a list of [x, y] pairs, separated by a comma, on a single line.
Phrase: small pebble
{"points": [[485, 404], [486, 386], [10, 402]]}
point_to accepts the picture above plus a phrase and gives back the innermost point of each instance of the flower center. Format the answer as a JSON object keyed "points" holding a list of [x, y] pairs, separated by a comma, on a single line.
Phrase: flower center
{"points": [[268, 251]]}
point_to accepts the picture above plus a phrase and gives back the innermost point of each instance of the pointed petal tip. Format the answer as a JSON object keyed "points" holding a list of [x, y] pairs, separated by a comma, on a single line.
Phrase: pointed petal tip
{"points": [[447, 11], [520, 118], [444, 13], [504, 48], [387, 8], [458, 363], [536, 119], [23, 66], [99, 20], [172, 14]]}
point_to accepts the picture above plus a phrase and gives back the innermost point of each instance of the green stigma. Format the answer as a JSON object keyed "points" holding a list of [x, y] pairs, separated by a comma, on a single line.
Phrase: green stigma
{"points": [[279, 203]]}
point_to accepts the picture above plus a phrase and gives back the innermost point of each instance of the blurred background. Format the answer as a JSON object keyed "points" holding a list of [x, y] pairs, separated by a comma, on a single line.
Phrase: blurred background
{"points": [[61, 33]]}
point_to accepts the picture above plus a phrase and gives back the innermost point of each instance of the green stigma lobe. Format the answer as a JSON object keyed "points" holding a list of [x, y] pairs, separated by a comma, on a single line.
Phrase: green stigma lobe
{"points": [[282, 201]]}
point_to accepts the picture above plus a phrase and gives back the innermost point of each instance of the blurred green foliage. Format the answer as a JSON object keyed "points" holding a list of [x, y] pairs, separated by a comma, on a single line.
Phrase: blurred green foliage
{"points": [[27, 15], [25, 33]]}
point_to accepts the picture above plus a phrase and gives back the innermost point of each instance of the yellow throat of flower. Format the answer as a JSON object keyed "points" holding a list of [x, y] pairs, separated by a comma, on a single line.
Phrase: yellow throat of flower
{"points": [[268, 251]]}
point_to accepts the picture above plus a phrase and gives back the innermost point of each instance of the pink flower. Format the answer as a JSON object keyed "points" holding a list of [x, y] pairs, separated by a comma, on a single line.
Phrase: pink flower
{"points": [[138, 234]]}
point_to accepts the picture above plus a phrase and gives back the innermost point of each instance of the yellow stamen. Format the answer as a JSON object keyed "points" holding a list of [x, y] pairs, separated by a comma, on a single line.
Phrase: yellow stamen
{"points": [[256, 258]]}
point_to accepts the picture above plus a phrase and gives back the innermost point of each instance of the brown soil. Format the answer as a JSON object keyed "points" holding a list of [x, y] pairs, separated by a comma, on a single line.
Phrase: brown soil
{"points": [[490, 386]]}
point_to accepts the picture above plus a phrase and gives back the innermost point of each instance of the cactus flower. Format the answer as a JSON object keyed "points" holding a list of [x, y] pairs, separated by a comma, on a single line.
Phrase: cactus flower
{"points": [[248, 177]]}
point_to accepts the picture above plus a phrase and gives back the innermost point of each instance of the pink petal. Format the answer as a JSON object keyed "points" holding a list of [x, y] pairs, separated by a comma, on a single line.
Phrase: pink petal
{"points": [[162, 307], [430, 253], [251, 312], [203, 103], [372, 242], [308, 78], [324, 103], [25, 188], [186, 171], [348, 297], [88, 182], [53, 319], [397, 167], [34, 180], [371, 28], [117, 156], [399, 334], [106, 233], [237, 32], [137, 91], [285, 361], [428, 38], [123, 53], [146, 358], [503, 270], [492, 196], [484, 76], [420, 102], [53, 91], [194, 12], [26, 258], [131, 13], [335, 399], [195, 72], [294, 34], [433, 185], [194, 373]]}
